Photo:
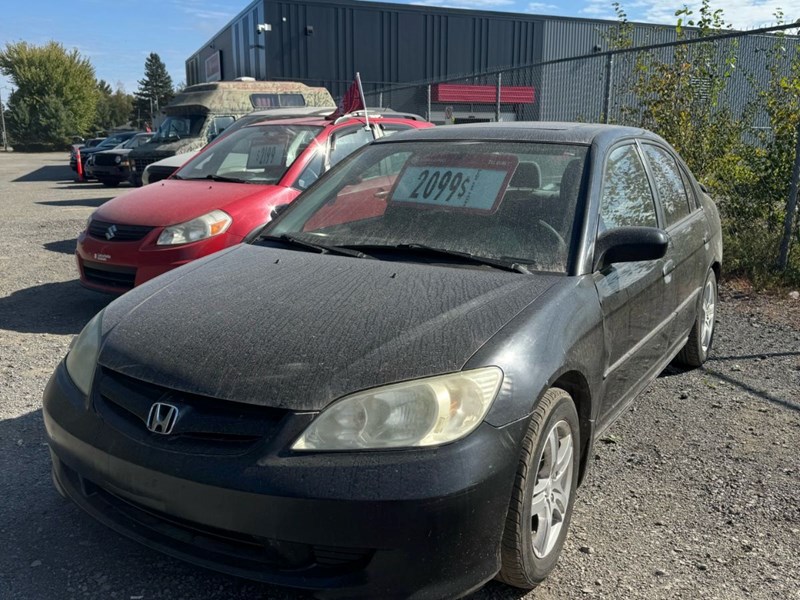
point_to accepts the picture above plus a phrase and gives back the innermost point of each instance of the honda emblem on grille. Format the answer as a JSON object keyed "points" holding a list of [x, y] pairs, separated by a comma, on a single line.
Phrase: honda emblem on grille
{"points": [[162, 418], [111, 232]]}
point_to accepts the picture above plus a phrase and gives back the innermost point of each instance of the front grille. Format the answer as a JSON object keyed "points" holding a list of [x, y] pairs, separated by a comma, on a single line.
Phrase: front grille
{"points": [[106, 160], [224, 547], [102, 230], [141, 163], [159, 173], [122, 278], [204, 425]]}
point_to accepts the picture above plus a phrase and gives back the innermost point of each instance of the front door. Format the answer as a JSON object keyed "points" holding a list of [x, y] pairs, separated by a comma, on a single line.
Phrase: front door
{"points": [[632, 295]]}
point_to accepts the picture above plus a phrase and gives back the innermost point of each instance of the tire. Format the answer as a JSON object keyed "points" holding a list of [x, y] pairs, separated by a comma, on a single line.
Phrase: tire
{"points": [[528, 552], [697, 347], [112, 183]]}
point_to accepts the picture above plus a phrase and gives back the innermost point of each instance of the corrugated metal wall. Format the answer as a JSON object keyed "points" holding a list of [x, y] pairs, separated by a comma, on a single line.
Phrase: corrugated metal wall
{"points": [[326, 42]]}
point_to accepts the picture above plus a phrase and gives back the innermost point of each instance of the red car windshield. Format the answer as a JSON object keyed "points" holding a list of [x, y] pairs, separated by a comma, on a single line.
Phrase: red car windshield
{"points": [[495, 200], [257, 154]]}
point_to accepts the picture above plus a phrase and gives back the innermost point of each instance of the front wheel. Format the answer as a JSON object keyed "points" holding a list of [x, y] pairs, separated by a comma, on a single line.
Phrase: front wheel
{"points": [[697, 347], [544, 492]]}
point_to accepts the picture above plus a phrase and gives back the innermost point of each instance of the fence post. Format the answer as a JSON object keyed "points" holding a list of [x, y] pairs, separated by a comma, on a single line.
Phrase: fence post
{"points": [[380, 100], [497, 106], [609, 82], [791, 207], [428, 113]]}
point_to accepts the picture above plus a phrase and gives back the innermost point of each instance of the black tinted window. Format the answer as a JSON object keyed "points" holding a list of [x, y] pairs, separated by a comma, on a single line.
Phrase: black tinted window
{"points": [[626, 200], [669, 183]]}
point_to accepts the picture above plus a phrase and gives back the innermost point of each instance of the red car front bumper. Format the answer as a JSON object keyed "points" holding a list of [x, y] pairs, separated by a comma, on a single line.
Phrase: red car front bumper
{"points": [[115, 267]]}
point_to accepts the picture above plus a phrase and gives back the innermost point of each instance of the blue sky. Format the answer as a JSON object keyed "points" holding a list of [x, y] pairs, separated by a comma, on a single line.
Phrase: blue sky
{"points": [[118, 36]]}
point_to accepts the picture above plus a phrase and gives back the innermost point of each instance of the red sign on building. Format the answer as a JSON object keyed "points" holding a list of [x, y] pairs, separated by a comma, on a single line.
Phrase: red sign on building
{"points": [[456, 93]]}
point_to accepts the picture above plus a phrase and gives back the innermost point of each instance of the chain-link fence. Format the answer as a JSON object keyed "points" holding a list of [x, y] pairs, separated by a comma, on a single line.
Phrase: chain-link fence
{"points": [[600, 87]]}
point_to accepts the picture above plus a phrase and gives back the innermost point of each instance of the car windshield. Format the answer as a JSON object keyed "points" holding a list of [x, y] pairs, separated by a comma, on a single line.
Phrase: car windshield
{"points": [[257, 154], [112, 141], [178, 127], [515, 202], [137, 140]]}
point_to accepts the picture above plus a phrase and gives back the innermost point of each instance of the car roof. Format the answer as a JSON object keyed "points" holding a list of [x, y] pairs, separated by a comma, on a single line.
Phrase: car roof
{"points": [[528, 131], [322, 121]]}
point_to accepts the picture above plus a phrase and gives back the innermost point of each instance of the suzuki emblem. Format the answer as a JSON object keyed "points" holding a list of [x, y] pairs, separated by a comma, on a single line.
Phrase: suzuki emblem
{"points": [[111, 232], [162, 417]]}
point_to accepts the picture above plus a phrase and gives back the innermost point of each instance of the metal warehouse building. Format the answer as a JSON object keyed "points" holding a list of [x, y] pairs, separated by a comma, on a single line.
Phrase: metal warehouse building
{"points": [[324, 42]]}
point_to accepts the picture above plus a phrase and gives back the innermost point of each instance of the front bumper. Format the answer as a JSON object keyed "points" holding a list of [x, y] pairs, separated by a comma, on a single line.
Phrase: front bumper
{"points": [[116, 267], [393, 524], [115, 173]]}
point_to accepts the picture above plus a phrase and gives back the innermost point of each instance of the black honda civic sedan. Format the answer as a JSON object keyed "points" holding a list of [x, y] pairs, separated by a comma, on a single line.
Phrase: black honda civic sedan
{"points": [[393, 391]]}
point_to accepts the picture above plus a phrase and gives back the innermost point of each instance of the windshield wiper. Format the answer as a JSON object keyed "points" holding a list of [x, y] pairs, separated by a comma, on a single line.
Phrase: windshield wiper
{"points": [[291, 240], [431, 250], [213, 178]]}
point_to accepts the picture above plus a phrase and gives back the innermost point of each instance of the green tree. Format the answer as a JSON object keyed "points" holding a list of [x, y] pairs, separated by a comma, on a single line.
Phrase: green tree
{"points": [[155, 91], [113, 108], [56, 95]]}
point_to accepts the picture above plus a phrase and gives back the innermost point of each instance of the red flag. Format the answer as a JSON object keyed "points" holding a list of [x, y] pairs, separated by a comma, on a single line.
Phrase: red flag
{"points": [[352, 101]]}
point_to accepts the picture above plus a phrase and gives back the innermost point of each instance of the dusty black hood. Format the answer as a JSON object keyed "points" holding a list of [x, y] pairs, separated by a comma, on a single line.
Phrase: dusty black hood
{"points": [[297, 330]]}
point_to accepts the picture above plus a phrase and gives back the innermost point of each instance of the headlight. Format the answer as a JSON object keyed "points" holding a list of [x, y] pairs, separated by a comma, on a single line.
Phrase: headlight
{"points": [[117, 159], [424, 412], [207, 226], [82, 358]]}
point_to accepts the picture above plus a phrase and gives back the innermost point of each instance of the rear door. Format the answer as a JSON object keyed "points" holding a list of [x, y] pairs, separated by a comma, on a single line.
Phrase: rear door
{"points": [[632, 295], [684, 265]]}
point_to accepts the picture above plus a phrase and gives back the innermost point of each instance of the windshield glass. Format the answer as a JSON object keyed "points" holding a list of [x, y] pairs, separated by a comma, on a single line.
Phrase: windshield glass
{"points": [[500, 200], [179, 127], [257, 154], [137, 141], [112, 141]]}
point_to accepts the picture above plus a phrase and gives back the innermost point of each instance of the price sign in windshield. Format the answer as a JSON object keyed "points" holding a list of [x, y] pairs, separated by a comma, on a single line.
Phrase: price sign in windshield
{"points": [[474, 183], [265, 155]]}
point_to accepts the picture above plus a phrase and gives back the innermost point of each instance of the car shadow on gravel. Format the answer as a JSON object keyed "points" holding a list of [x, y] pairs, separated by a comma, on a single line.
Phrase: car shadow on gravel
{"points": [[51, 549], [90, 202], [80, 185], [60, 308], [792, 404], [46, 173], [62, 247]]}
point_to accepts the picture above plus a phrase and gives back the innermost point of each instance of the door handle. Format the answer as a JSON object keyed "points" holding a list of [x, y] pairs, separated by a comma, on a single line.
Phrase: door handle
{"points": [[668, 267]]}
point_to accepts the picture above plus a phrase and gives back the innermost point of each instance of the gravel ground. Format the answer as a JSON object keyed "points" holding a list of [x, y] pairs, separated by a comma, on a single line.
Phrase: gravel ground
{"points": [[694, 493]]}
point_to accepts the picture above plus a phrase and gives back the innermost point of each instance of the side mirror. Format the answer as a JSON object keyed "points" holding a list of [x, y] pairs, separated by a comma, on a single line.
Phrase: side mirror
{"points": [[277, 211], [629, 244]]}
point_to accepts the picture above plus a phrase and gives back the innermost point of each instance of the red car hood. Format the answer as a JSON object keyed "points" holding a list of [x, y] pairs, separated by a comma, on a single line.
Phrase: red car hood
{"points": [[172, 201]]}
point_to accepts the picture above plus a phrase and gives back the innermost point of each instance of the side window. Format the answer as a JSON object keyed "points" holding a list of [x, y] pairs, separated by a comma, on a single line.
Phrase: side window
{"points": [[312, 171], [218, 125], [669, 183], [347, 142], [626, 199], [687, 183]]}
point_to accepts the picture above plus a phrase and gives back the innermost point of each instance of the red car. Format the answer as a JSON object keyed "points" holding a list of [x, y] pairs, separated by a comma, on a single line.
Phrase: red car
{"points": [[221, 197]]}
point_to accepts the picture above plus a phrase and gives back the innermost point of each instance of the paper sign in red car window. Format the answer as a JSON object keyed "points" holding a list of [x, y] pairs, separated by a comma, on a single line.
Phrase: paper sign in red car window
{"points": [[471, 182], [265, 154]]}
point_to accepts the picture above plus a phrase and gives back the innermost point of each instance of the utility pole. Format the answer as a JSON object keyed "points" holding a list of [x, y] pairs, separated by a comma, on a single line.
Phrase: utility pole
{"points": [[3, 124]]}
